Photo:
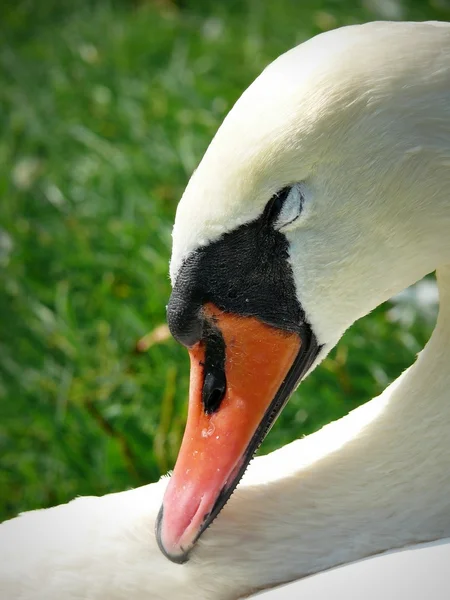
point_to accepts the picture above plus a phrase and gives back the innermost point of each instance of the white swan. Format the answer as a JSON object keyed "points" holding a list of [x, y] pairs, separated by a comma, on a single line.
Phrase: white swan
{"points": [[335, 163]]}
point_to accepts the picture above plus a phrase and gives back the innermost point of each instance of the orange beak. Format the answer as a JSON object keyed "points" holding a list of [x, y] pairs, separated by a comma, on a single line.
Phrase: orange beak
{"points": [[218, 444]]}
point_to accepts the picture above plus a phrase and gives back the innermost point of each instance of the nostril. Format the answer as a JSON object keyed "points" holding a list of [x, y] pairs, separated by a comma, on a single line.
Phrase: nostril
{"points": [[214, 378], [214, 388]]}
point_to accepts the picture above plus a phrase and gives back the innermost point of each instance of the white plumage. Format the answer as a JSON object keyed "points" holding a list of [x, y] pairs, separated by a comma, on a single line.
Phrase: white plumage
{"points": [[360, 116]]}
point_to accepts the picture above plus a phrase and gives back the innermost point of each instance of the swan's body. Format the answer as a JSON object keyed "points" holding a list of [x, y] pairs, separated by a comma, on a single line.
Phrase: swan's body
{"points": [[361, 116], [408, 574]]}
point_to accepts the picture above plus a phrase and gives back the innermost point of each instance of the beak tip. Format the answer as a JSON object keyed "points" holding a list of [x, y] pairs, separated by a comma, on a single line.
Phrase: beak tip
{"points": [[179, 558]]}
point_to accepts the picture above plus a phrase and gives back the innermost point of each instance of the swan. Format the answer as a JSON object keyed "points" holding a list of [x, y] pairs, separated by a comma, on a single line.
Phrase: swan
{"points": [[324, 193]]}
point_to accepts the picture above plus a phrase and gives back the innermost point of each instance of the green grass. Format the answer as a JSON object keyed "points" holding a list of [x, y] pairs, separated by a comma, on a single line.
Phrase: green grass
{"points": [[106, 108]]}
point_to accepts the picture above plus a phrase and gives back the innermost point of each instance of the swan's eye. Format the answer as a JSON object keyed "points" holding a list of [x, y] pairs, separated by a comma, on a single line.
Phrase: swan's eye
{"points": [[286, 205]]}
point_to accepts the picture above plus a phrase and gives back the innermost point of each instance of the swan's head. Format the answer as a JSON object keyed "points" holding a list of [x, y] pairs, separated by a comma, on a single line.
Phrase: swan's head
{"points": [[310, 207]]}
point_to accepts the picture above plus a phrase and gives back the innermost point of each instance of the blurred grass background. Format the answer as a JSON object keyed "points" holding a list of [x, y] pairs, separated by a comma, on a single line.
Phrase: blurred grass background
{"points": [[106, 109]]}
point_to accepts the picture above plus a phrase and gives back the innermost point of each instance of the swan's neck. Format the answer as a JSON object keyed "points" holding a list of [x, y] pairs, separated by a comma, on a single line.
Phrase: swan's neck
{"points": [[377, 479]]}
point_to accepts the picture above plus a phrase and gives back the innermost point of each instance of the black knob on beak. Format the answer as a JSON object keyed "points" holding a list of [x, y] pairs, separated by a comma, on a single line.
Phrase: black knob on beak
{"points": [[185, 319]]}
